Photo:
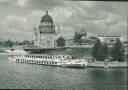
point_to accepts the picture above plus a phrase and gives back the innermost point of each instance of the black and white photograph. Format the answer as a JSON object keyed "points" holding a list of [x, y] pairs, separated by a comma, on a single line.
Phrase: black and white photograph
{"points": [[63, 44]]}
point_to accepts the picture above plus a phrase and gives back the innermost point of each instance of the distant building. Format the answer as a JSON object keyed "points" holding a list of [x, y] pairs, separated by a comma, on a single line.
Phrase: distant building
{"points": [[45, 33], [91, 40], [70, 42], [110, 39], [84, 39]]}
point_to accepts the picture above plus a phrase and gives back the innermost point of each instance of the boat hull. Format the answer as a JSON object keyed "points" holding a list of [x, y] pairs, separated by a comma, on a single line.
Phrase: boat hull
{"points": [[73, 65]]}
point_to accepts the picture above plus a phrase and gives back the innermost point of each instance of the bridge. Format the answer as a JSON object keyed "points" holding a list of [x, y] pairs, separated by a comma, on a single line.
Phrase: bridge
{"points": [[51, 48]]}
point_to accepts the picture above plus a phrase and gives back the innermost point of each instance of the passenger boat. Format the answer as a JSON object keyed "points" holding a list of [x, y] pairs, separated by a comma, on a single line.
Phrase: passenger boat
{"points": [[46, 59]]}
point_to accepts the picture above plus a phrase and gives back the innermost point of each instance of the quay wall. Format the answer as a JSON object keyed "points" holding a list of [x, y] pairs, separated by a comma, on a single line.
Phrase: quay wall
{"points": [[101, 64]]}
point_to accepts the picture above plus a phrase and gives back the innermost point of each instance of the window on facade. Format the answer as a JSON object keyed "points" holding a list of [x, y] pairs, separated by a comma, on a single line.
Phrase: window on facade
{"points": [[50, 57]]}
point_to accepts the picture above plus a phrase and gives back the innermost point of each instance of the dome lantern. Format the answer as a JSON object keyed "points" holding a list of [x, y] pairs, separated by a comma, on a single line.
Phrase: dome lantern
{"points": [[46, 11]]}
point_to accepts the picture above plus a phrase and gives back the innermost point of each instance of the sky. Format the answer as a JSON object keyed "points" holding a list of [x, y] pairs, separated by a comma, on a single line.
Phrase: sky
{"points": [[19, 17]]}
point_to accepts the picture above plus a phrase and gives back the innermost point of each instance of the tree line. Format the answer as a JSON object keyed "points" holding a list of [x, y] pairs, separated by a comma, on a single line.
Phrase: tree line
{"points": [[100, 51], [10, 43]]}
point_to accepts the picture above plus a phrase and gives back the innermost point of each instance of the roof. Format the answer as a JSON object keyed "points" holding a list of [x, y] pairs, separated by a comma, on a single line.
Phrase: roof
{"points": [[46, 18]]}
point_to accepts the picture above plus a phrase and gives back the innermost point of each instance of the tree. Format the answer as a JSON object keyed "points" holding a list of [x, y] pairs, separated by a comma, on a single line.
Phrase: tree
{"points": [[95, 49], [8, 43], [117, 51], [61, 41], [102, 53], [77, 38]]}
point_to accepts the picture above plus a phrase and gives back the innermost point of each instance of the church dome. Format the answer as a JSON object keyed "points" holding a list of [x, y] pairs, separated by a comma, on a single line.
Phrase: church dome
{"points": [[46, 18]]}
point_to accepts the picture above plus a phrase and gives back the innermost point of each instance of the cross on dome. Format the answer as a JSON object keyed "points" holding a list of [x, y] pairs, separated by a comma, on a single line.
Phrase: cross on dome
{"points": [[46, 11]]}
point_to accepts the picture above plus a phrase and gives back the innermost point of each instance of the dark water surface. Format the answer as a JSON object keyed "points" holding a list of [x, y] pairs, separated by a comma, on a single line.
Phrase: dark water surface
{"points": [[27, 76]]}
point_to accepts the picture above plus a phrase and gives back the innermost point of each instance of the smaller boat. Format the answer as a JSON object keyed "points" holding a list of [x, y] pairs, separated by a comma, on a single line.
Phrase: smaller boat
{"points": [[74, 63]]}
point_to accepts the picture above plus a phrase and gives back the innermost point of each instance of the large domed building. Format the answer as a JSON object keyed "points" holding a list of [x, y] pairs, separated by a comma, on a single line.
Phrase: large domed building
{"points": [[45, 33]]}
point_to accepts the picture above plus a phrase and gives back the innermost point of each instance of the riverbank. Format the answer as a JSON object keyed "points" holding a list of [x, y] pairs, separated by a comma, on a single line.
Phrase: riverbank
{"points": [[100, 64], [28, 76]]}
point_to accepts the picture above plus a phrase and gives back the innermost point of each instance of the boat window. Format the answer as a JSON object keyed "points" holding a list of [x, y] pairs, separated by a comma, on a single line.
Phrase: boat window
{"points": [[45, 56]]}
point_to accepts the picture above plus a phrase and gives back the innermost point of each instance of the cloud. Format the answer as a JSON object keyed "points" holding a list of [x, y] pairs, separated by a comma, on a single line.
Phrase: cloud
{"points": [[119, 28], [4, 1], [97, 17], [35, 16], [45, 4], [61, 14], [12, 21], [21, 27], [17, 27], [112, 19], [22, 3]]}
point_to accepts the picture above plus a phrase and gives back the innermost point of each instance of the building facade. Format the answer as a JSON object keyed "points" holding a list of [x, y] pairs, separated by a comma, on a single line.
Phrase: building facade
{"points": [[110, 39], [45, 32]]}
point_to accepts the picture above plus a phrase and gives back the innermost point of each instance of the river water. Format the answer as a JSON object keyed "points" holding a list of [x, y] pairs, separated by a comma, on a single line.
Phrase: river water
{"points": [[29, 76]]}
